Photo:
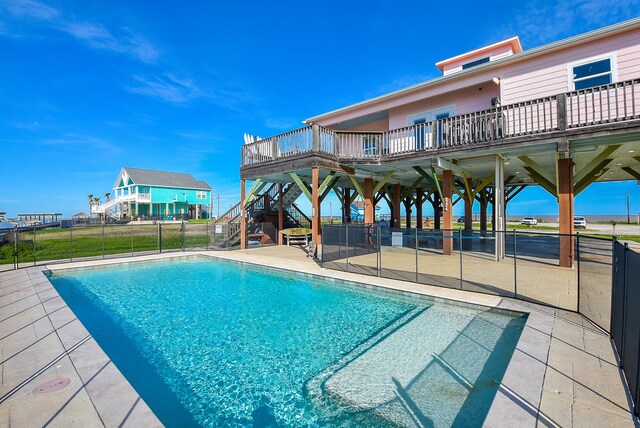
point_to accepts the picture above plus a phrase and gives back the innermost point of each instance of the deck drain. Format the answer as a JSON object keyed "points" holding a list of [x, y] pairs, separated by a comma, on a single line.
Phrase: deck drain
{"points": [[52, 386]]}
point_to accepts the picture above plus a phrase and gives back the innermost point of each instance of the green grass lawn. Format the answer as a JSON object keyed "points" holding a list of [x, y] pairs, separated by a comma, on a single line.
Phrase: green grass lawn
{"points": [[632, 238], [95, 241]]}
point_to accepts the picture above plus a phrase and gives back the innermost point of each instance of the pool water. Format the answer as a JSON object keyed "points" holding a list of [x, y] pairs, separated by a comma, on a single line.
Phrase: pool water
{"points": [[214, 343]]}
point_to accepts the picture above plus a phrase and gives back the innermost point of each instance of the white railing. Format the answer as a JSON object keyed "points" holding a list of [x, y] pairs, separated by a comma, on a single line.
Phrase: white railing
{"points": [[565, 112], [281, 146]]}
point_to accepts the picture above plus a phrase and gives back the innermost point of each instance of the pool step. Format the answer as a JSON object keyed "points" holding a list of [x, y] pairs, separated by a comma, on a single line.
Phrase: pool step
{"points": [[404, 377]]}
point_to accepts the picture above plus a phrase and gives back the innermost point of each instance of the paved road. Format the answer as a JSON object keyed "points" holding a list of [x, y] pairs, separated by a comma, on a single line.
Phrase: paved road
{"points": [[605, 229]]}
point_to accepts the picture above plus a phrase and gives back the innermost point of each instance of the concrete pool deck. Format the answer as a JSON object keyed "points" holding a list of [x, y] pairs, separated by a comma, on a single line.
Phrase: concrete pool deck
{"points": [[563, 372]]}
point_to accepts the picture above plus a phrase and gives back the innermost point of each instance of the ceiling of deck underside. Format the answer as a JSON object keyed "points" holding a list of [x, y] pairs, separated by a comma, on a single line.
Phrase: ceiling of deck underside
{"points": [[362, 120]]}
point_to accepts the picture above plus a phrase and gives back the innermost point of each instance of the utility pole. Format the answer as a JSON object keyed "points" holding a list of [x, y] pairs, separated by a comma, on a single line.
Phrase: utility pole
{"points": [[218, 216], [330, 213], [628, 210]]}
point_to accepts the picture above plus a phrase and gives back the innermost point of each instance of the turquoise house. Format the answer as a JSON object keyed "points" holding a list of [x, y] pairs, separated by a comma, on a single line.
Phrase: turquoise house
{"points": [[160, 195]]}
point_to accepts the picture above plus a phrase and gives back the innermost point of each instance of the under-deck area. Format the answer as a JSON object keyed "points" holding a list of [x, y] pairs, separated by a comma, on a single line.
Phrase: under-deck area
{"points": [[561, 143]]}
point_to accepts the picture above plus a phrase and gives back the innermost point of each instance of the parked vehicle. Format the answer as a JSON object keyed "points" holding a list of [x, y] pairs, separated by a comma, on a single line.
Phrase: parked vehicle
{"points": [[529, 221], [579, 222], [461, 219]]}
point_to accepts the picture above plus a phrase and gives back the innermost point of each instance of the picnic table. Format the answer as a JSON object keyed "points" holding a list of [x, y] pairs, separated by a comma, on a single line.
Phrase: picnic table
{"points": [[297, 235]]}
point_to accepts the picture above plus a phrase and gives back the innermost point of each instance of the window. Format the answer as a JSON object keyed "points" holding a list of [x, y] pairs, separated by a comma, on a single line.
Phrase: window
{"points": [[370, 145], [201, 194], [422, 134], [593, 73], [474, 63]]}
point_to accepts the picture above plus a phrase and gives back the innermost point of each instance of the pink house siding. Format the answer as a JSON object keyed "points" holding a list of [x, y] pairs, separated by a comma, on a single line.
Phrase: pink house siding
{"points": [[465, 101], [493, 54], [477, 80], [548, 74], [523, 77]]}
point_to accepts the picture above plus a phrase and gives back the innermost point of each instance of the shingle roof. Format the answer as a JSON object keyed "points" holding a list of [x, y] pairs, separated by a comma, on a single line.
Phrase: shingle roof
{"points": [[151, 177]]}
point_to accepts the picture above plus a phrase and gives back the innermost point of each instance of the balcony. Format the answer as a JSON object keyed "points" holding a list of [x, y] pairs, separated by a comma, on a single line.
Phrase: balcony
{"points": [[603, 108]]}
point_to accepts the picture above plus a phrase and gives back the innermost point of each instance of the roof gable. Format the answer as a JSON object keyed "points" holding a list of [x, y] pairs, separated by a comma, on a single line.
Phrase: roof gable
{"points": [[151, 177]]}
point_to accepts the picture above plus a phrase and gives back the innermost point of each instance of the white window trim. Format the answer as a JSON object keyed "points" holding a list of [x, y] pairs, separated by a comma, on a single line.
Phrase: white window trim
{"points": [[614, 68], [429, 115]]}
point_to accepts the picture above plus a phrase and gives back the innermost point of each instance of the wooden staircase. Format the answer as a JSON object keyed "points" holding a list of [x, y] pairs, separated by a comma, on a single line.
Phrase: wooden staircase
{"points": [[263, 209]]}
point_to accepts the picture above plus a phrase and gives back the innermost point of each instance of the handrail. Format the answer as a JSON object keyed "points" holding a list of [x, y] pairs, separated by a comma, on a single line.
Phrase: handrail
{"points": [[614, 102]]}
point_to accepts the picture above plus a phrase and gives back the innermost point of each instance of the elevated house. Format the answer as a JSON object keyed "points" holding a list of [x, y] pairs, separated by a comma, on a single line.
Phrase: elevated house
{"points": [[160, 195], [498, 119]]}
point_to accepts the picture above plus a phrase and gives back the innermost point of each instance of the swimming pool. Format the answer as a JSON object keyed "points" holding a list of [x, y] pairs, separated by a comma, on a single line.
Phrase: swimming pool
{"points": [[215, 343]]}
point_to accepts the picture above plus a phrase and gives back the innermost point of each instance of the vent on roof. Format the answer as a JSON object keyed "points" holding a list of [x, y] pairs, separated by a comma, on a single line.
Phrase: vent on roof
{"points": [[476, 62]]}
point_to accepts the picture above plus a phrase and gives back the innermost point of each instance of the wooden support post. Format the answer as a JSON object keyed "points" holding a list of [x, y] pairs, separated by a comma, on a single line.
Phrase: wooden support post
{"points": [[419, 200], [346, 205], [407, 211], [243, 222], [395, 206], [369, 205], [447, 208], [565, 211], [280, 215], [315, 205]]}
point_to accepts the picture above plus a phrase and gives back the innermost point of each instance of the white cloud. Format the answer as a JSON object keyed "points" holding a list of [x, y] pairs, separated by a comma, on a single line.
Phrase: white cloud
{"points": [[92, 34], [538, 23], [167, 87], [30, 9], [182, 90]]}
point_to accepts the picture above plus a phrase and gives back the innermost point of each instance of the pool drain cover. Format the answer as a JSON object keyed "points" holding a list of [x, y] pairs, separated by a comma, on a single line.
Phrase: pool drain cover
{"points": [[52, 386]]}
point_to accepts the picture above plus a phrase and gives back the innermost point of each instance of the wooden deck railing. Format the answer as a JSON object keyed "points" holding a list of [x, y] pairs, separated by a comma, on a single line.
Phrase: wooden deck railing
{"points": [[615, 102]]}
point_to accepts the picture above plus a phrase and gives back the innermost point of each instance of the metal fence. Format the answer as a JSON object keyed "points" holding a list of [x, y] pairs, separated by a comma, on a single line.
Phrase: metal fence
{"points": [[625, 320], [529, 271], [22, 247]]}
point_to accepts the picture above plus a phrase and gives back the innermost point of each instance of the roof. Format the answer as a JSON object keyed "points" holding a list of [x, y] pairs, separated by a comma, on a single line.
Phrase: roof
{"points": [[513, 42], [595, 34], [81, 214], [152, 177]]}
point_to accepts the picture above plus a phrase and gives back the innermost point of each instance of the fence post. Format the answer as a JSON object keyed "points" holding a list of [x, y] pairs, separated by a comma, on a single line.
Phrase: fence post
{"points": [[624, 306], [460, 250], [35, 253], [131, 233], [321, 250], [515, 265], [206, 232], [103, 240], [578, 267], [613, 278], [159, 238], [561, 105], [346, 228], [71, 243], [182, 235], [416, 254], [16, 262], [379, 253]]}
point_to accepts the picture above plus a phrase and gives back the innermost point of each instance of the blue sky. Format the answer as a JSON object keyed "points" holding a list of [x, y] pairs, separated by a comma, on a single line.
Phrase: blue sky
{"points": [[87, 87]]}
